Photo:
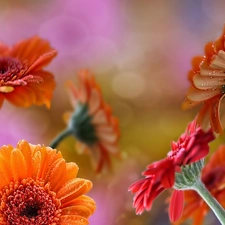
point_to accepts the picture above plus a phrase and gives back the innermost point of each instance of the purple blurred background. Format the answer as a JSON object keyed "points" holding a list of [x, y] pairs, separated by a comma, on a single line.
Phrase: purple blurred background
{"points": [[140, 52]]}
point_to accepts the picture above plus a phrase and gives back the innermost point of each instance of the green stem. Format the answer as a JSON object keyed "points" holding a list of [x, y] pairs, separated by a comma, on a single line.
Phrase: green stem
{"points": [[210, 200], [65, 133]]}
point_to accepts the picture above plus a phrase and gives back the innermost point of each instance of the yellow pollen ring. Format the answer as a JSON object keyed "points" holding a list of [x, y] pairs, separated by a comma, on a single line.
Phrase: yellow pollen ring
{"points": [[6, 89]]}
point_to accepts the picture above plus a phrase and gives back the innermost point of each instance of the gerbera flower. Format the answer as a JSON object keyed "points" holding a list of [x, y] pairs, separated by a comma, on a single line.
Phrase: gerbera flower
{"points": [[92, 122], [214, 180], [23, 81], [38, 187], [191, 147], [208, 83]]}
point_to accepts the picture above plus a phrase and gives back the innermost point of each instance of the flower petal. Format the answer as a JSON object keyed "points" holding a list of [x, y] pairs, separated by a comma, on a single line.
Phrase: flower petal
{"points": [[76, 210], [205, 82], [30, 49], [18, 165], [73, 189], [42, 61], [27, 154], [73, 220], [71, 170], [176, 205], [215, 115], [197, 95]]}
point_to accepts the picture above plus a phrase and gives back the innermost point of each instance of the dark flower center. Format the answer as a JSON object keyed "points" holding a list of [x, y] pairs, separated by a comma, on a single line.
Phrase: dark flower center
{"points": [[81, 125], [10, 69], [29, 202], [30, 211]]}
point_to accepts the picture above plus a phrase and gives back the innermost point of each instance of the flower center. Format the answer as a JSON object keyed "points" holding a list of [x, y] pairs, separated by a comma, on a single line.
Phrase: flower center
{"points": [[29, 202], [10, 69]]}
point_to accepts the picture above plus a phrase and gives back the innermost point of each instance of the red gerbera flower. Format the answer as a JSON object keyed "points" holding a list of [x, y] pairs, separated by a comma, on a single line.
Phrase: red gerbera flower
{"points": [[208, 83], [23, 81], [191, 147]]}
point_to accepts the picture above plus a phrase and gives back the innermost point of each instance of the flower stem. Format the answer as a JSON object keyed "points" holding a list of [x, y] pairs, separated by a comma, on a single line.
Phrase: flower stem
{"points": [[210, 200], [65, 133]]}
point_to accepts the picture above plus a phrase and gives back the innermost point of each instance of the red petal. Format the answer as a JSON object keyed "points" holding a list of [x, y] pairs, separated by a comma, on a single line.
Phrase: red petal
{"points": [[176, 205], [168, 178]]}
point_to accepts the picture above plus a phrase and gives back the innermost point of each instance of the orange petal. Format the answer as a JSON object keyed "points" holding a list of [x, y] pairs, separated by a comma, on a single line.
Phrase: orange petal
{"points": [[73, 220], [27, 154], [207, 70], [44, 90], [196, 61], [109, 136], [30, 49], [73, 188], [21, 96], [56, 174], [18, 165], [99, 117], [4, 180], [80, 210], [205, 82], [215, 115], [36, 164], [197, 95], [94, 101], [5, 169], [203, 113], [42, 61], [82, 200], [71, 170], [218, 61], [48, 157], [187, 104]]}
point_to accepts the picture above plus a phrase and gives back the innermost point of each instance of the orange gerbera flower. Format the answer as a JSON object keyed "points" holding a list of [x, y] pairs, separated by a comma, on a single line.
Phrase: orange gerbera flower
{"points": [[214, 180], [38, 187], [207, 79], [23, 82], [92, 122]]}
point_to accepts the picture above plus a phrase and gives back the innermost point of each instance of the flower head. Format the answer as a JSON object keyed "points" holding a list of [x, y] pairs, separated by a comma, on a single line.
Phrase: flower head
{"points": [[214, 180], [38, 187], [191, 147], [23, 81], [208, 83], [92, 122]]}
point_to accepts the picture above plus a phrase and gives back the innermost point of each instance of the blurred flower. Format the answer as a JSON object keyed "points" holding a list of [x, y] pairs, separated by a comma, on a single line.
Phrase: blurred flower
{"points": [[214, 180], [92, 122], [208, 83], [23, 81], [39, 187], [191, 147]]}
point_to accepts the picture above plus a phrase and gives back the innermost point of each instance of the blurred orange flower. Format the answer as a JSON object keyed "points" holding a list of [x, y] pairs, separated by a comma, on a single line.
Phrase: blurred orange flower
{"points": [[23, 82], [214, 180], [207, 79], [92, 122], [38, 187]]}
